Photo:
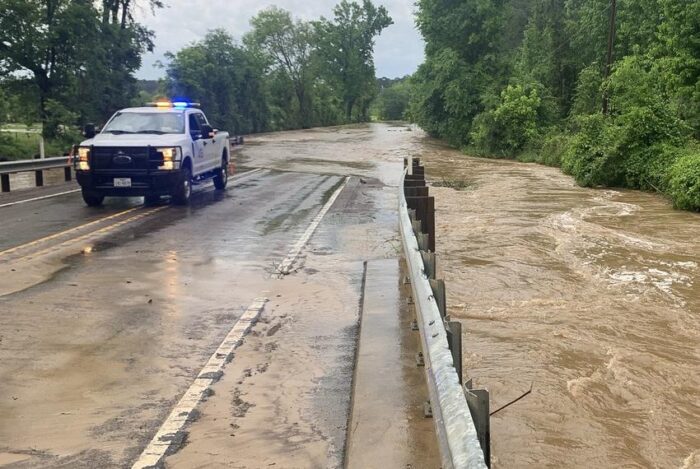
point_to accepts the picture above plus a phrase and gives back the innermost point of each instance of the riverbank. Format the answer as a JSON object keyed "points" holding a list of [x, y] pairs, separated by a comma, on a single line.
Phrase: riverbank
{"points": [[590, 295], [673, 171]]}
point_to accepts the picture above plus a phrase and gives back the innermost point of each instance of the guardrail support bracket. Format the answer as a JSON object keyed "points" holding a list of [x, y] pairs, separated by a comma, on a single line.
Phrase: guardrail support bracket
{"points": [[454, 341], [427, 410], [429, 263], [420, 361], [5, 182], [478, 402], [438, 287]]}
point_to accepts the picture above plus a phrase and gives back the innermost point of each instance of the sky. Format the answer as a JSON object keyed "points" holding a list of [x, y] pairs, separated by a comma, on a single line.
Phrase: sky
{"points": [[398, 51]]}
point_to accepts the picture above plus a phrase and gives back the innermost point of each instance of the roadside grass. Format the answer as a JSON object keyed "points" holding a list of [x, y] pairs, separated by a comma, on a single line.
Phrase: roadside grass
{"points": [[21, 142], [455, 184]]}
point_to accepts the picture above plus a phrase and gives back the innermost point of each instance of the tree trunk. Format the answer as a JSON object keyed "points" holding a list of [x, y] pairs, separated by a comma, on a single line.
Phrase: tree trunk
{"points": [[349, 104]]}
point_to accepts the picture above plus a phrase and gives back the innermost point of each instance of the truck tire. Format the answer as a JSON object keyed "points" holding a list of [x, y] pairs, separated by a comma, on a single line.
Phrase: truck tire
{"points": [[183, 191], [221, 178], [93, 199]]}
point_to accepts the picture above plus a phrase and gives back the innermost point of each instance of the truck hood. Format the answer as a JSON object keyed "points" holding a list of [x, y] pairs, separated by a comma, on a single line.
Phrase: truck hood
{"points": [[136, 140]]}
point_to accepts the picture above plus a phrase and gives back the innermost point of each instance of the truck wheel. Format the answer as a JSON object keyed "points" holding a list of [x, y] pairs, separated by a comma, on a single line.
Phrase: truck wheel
{"points": [[221, 178], [183, 191], [93, 199]]}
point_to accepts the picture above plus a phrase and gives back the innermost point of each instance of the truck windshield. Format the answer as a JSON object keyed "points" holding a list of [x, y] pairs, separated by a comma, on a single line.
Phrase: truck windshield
{"points": [[146, 123]]}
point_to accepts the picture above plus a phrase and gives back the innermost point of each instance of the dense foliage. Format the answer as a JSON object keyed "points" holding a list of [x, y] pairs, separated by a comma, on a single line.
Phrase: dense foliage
{"points": [[392, 101], [287, 73], [528, 79], [64, 63]]}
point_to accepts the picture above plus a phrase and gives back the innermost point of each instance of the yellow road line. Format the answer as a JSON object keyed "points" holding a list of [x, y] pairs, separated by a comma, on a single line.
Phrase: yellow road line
{"points": [[101, 231], [236, 178], [65, 232]]}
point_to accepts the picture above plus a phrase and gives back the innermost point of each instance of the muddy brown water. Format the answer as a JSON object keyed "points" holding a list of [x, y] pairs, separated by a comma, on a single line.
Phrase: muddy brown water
{"points": [[593, 296], [589, 295]]}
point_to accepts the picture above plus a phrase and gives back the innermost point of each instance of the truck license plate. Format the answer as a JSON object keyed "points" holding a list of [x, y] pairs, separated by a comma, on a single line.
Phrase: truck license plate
{"points": [[122, 182]]}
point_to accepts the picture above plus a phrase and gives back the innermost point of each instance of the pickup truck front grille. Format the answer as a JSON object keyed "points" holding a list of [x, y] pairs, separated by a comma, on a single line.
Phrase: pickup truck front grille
{"points": [[125, 159]]}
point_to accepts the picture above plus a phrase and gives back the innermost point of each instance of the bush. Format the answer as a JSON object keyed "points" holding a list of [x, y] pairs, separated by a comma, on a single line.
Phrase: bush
{"points": [[24, 146], [637, 143], [684, 181], [553, 149], [592, 158], [511, 125]]}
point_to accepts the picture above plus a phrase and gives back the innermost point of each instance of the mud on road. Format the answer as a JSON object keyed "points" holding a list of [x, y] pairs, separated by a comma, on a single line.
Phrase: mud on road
{"points": [[591, 295], [107, 316]]}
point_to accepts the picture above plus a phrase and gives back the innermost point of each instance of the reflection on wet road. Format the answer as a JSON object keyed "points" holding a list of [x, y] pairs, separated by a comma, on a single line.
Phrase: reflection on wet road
{"points": [[107, 316], [591, 294]]}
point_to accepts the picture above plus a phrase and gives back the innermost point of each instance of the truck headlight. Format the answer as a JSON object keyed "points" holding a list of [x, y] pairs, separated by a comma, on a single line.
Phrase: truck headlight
{"points": [[83, 159], [171, 158]]}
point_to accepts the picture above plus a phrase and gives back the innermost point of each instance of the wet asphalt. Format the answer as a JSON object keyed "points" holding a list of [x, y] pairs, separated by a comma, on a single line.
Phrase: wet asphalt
{"points": [[107, 315]]}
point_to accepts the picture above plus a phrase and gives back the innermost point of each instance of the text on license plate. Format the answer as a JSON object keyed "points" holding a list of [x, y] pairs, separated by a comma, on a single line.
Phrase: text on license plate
{"points": [[122, 182]]}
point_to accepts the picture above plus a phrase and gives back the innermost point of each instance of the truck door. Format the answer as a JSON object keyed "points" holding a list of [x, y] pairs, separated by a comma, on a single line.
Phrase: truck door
{"points": [[199, 143], [211, 156]]}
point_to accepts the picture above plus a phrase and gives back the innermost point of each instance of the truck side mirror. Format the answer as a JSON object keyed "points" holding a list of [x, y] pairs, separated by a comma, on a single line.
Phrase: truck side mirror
{"points": [[89, 131], [207, 131]]}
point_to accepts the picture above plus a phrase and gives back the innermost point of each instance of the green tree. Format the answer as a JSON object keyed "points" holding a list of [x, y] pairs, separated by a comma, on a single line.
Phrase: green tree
{"points": [[49, 40], [392, 101], [526, 79], [80, 55], [285, 46], [346, 47], [224, 78]]}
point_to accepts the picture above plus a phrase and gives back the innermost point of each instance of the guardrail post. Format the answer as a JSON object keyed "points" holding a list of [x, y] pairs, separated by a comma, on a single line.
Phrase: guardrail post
{"points": [[39, 178], [416, 191], [68, 174], [454, 341], [478, 402], [5, 182]]}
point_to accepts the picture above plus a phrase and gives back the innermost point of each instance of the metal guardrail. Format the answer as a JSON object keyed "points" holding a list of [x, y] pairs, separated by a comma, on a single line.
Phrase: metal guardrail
{"points": [[460, 415], [36, 165]]}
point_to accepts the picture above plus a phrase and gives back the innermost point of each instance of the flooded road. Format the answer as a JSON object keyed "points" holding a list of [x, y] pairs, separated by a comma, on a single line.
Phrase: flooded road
{"points": [[591, 295], [129, 330], [107, 316]]}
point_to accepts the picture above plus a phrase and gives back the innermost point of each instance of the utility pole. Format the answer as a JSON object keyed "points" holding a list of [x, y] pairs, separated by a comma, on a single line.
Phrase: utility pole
{"points": [[611, 41]]}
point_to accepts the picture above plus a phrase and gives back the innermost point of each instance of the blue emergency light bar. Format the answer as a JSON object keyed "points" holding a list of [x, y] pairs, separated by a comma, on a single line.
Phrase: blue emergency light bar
{"points": [[174, 104]]}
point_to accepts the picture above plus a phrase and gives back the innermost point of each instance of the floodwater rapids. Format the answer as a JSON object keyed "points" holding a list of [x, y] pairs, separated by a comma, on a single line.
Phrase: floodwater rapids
{"points": [[590, 295]]}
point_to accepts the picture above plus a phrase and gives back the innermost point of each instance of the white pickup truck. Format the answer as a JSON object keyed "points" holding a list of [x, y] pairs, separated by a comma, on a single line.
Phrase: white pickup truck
{"points": [[154, 151]]}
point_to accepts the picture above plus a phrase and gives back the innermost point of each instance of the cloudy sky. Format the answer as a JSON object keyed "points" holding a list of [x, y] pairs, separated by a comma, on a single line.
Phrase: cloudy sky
{"points": [[398, 51]]}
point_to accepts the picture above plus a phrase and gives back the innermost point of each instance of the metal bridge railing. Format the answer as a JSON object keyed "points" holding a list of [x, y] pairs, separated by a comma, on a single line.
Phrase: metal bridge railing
{"points": [[460, 414], [37, 165]]}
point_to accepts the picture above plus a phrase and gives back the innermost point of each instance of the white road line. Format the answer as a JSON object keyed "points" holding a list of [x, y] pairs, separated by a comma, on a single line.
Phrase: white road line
{"points": [[39, 198], [237, 177], [287, 263], [171, 432], [240, 176]]}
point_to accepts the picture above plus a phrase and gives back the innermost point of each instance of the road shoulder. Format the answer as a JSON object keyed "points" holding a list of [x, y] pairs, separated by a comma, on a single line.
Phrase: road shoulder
{"points": [[387, 427]]}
